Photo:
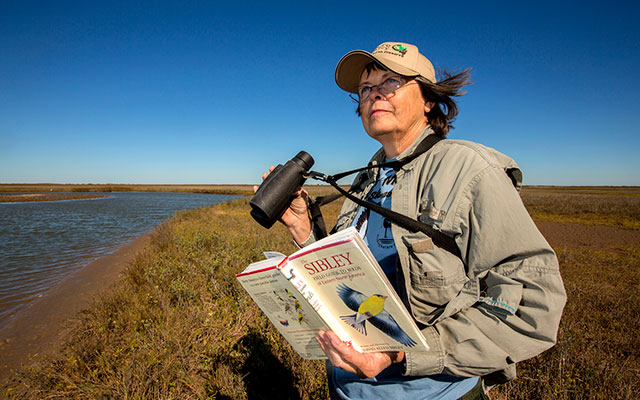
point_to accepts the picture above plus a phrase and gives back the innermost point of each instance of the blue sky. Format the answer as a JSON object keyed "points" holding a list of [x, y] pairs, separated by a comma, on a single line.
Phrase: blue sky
{"points": [[199, 92]]}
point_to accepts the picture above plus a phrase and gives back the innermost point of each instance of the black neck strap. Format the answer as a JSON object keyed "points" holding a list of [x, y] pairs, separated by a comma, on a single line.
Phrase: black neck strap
{"points": [[422, 147], [439, 239]]}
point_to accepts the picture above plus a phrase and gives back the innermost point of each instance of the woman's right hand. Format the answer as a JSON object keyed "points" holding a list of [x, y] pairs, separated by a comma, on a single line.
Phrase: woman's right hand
{"points": [[296, 216]]}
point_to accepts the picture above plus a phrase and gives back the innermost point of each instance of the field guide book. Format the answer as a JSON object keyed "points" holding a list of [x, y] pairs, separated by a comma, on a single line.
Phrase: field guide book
{"points": [[334, 283]]}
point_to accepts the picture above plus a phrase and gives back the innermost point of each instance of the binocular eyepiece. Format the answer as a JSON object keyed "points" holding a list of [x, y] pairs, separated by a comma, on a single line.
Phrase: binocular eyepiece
{"points": [[275, 193]]}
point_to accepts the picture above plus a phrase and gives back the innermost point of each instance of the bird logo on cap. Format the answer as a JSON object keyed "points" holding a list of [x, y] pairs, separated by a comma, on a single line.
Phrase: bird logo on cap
{"points": [[371, 309]]}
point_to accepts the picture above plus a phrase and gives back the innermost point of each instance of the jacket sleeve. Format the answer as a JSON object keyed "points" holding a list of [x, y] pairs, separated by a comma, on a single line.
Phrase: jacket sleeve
{"points": [[514, 274]]}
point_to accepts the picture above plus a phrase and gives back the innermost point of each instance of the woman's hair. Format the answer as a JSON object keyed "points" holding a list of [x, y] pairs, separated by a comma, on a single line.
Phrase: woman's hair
{"points": [[445, 109]]}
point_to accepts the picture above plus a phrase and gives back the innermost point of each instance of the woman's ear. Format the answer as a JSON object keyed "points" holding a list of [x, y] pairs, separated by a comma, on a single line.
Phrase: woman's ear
{"points": [[428, 106]]}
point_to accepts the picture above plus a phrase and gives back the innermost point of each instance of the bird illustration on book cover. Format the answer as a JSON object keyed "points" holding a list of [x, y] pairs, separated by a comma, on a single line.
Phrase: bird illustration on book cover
{"points": [[371, 308]]}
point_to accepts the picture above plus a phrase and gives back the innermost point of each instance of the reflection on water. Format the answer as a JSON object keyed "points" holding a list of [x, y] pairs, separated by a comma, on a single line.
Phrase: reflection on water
{"points": [[41, 243]]}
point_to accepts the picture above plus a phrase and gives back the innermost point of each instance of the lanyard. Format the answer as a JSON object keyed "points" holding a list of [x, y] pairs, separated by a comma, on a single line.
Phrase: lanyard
{"points": [[439, 239]]}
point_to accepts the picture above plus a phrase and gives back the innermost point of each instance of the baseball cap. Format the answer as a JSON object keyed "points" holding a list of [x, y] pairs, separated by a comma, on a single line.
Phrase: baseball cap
{"points": [[402, 58]]}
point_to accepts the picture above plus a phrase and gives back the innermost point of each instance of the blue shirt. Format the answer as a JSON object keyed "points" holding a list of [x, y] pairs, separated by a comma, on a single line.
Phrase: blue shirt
{"points": [[376, 229]]}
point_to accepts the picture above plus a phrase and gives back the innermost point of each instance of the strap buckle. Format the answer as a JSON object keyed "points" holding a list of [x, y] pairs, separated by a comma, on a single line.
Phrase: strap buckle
{"points": [[319, 176]]}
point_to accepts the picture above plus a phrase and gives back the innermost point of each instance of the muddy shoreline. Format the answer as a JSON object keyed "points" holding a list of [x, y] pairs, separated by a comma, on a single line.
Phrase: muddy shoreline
{"points": [[38, 329]]}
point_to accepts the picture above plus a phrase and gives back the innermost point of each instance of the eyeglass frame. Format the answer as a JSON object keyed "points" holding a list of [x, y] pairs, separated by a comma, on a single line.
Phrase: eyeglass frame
{"points": [[403, 80]]}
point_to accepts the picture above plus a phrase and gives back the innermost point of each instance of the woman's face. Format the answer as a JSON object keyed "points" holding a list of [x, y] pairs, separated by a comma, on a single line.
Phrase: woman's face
{"points": [[398, 115]]}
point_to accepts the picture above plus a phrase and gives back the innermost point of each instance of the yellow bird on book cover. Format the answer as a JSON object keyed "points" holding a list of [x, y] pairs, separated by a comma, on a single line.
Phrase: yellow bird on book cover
{"points": [[371, 309]]}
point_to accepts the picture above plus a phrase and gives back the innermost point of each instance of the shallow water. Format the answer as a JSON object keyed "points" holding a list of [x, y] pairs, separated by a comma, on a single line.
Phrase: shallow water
{"points": [[43, 242]]}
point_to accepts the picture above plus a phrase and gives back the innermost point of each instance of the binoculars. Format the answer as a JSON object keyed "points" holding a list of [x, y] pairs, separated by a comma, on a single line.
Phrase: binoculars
{"points": [[275, 193]]}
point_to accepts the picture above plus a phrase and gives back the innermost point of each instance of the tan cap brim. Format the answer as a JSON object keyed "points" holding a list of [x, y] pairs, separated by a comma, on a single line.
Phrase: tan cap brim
{"points": [[350, 67]]}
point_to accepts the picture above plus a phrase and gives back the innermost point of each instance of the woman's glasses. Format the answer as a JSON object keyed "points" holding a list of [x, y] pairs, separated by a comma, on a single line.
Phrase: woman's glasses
{"points": [[389, 85]]}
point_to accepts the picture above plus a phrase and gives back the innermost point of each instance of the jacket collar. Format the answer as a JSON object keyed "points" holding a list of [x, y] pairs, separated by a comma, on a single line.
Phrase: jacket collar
{"points": [[380, 156]]}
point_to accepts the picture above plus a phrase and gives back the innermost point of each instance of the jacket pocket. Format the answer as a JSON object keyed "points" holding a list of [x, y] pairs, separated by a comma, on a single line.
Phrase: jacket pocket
{"points": [[436, 276]]}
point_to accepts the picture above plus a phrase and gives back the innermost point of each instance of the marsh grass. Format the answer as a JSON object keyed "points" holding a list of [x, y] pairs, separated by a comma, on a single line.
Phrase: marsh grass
{"points": [[597, 355], [24, 198], [178, 326], [618, 207], [80, 188]]}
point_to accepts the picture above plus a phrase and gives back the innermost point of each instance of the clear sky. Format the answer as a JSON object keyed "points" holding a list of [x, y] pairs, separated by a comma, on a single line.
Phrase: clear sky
{"points": [[213, 92]]}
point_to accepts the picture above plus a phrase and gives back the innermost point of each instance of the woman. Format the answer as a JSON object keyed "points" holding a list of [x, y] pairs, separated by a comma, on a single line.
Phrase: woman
{"points": [[498, 301]]}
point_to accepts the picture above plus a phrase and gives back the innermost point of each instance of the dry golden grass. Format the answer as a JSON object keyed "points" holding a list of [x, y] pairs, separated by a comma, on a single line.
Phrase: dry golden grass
{"points": [[597, 355], [179, 326], [610, 206]]}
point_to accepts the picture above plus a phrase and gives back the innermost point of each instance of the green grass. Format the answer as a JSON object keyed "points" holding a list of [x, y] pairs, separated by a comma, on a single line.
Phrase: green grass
{"points": [[179, 326]]}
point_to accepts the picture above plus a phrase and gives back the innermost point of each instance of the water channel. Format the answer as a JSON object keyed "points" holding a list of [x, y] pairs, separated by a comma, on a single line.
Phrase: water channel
{"points": [[43, 242]]}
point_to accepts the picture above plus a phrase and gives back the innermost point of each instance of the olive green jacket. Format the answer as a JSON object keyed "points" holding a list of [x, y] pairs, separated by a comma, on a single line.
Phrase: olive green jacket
{"points": [[501, 302]]}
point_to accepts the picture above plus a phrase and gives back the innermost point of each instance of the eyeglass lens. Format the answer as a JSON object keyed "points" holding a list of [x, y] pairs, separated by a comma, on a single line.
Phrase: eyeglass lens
{"points": [[389, 85]]}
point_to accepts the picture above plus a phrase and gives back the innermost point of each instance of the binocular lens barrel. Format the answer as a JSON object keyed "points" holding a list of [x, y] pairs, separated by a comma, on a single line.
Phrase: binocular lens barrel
{"points": [[274, 194]]}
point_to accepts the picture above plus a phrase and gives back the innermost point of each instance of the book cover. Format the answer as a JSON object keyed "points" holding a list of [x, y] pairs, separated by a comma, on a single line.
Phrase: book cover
{"points": [[340, 286]]}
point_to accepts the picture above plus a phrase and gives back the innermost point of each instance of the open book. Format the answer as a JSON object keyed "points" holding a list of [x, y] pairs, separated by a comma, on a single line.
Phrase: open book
{"points": [[336, 284]]}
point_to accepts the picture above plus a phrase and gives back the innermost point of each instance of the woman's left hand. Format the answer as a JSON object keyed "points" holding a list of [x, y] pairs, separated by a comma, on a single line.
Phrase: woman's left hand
{"points": [[347, 358]]}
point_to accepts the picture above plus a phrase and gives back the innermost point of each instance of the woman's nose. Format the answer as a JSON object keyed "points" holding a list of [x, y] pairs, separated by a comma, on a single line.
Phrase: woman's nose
{"points": [[375, 93]]}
